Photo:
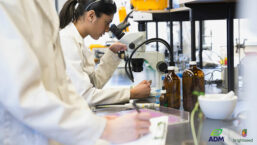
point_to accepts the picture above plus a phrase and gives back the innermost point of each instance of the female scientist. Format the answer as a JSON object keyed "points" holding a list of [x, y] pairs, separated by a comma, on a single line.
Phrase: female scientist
{"points": [[38, 105], [78, 19]]}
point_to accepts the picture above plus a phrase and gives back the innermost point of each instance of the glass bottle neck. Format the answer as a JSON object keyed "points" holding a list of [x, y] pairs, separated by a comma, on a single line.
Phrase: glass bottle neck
{"points": [[193, 66]]}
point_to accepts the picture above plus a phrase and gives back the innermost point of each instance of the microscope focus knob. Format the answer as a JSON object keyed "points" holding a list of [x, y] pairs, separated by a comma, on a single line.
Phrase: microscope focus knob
{"points": [[132, 45], [121, 54], [162, 66]]}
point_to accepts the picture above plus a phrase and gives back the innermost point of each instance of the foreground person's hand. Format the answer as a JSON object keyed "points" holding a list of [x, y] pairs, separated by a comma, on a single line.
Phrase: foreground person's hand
{"points": [[126, 128]]}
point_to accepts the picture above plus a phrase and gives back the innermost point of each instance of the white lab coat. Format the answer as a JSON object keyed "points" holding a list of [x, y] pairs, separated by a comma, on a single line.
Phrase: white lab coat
{"points": [[80, 64], [37, 102]]}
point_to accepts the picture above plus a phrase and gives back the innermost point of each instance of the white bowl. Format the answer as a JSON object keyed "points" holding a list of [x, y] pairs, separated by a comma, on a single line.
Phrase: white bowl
{"points": [[217, 106]]}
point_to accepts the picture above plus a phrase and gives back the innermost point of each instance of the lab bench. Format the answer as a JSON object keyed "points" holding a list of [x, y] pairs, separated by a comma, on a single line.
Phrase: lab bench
{"points": [[180, 133]]}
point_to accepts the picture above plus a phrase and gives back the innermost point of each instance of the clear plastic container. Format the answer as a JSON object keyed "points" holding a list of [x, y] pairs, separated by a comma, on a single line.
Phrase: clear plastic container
{"points": [[157, 96]]}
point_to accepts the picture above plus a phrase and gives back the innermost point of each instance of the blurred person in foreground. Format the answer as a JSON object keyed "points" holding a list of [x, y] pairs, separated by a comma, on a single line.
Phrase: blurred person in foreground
{"points": [[38, 104], [247, 9]]}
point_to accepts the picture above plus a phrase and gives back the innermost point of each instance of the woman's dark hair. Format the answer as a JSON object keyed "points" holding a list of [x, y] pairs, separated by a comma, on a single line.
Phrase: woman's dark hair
{"points": [[73, 9]]}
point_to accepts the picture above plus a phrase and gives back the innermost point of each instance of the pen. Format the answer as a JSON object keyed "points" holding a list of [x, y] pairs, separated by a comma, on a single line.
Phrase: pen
{"points": [[136, 107]]}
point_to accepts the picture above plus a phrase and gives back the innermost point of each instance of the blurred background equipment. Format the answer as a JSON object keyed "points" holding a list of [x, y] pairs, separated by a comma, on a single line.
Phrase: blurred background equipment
{"points": [[143, 5], [122, 15], [98, 51]]}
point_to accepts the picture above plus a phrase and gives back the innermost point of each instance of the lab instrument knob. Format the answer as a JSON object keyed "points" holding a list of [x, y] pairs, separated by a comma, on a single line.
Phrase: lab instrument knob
{"points": [[162, 66]]}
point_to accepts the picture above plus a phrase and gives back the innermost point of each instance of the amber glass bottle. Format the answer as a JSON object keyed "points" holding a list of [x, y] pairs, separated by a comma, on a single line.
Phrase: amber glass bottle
{"points": [[163, 99], [193, 81], [172, 86]]}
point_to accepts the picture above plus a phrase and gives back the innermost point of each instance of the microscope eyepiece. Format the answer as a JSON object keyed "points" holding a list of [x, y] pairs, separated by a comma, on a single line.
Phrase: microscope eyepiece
{"points": [[116, 31]]}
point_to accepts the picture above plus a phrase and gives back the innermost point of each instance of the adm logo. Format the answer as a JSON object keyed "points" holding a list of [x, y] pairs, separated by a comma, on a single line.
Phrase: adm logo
{"points": [[215, 136]]}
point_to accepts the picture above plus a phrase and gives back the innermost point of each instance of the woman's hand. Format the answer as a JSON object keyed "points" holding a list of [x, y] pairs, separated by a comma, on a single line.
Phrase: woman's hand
{"points": [[141, 90], [116, 47], [127, 128]]}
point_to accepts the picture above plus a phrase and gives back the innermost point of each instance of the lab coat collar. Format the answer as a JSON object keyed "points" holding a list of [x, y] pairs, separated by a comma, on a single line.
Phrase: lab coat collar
{"points": [[76, 34]]}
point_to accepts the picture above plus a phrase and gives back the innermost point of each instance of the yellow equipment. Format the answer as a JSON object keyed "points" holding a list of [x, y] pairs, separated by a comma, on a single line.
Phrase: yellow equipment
{"points": [[144, 5], [98, 51], [122, 15], [92, 46]]}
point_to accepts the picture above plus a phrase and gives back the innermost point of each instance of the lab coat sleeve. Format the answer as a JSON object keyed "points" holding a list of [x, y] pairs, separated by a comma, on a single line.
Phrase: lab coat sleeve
{"points": [[106, 96], [108, 63], [91, 94], [81, 79], [24, 95]]}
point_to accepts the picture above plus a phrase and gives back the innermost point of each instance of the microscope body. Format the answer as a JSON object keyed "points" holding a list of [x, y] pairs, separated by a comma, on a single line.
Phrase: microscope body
{"points": [[153, 58]]}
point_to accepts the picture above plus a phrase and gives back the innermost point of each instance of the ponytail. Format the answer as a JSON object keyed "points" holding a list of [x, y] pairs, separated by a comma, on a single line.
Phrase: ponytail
{"points": [[67, 13], [73, 9]]}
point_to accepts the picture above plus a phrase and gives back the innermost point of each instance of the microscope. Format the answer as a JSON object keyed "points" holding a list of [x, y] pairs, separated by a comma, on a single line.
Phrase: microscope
{"points": [[136, 54], [153, 58]]}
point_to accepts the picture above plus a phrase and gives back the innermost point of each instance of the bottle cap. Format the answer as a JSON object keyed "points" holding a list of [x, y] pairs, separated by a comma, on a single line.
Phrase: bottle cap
{"points": [[192, 63], [163, 91], [171, 68]]}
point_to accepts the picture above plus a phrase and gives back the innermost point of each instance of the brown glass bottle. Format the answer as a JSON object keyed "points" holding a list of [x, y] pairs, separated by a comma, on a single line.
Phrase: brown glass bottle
{"points": [[192, 81], [172, 86], [163, 99]]}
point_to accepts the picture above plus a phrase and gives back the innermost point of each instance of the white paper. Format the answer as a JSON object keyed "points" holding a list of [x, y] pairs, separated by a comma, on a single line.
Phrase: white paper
{"points": [[157, 135]]}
